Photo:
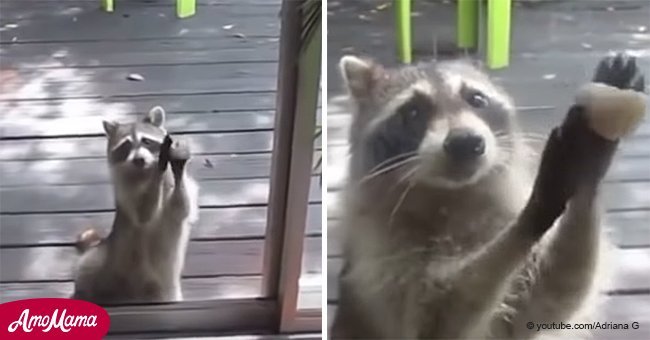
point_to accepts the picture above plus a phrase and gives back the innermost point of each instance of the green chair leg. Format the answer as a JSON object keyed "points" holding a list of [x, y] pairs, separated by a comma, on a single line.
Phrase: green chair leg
{"points": [[467, 23], [403, 34], [498, 33], [185, 8], [107, 5]]}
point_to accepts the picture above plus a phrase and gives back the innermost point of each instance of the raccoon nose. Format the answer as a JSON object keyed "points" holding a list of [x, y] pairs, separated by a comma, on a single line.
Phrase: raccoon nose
{"points": [[139, 162], [464, 144]]}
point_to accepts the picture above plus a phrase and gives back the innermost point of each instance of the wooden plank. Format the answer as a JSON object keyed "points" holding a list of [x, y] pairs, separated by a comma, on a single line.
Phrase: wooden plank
{"points": [[95, 147], [621, 196], [152, 52], [109, 81], [98, 197], [25, 127], [226, 287], [209, 258], [88, 22], [213, 224], [122, 106], [629, 228], [95, 170], [165, 3], [28, 127]]}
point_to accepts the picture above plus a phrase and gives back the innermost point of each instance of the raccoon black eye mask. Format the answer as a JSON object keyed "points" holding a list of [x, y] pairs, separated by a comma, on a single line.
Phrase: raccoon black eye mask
{"points": [[400, 135]]}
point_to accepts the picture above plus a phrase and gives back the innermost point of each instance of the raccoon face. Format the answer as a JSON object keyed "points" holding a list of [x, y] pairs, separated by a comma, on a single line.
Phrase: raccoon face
{"points": [[133, 148], [442, 124]]}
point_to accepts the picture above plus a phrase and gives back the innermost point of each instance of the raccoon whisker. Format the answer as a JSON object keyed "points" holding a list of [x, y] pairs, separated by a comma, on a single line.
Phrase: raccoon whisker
{"points": [[403, 155], [391, 167], [400, 201], [408, 174]]}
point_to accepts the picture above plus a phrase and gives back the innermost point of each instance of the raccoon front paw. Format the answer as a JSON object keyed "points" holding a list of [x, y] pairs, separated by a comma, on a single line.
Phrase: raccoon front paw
{"points": [[614, 102], [554, 185], [164, 155], [620, 71], [179, 154]]}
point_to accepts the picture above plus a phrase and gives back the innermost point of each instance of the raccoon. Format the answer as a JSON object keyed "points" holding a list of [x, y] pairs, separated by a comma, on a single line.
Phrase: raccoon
{"points": [[156, 204], [452, 227]]}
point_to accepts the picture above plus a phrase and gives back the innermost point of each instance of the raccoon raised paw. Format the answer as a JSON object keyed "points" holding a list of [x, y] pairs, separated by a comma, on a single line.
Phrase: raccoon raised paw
{"points": [[175, 152], [179, 154], [163, 156], [614, 102]]}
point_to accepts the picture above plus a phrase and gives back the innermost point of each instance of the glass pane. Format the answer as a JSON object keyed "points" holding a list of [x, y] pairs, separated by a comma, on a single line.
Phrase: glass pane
{"points": [[311, 278], [217, 86]]}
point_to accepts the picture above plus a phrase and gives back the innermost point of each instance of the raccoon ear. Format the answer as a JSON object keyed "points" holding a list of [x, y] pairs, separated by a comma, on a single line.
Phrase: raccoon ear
{"points": [[109, 127], [360, 75], [156, 116]]}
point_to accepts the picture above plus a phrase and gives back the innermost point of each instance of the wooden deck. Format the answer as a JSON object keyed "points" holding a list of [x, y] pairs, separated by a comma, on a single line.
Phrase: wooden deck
{"points": [[65, 65], [555, 47]]}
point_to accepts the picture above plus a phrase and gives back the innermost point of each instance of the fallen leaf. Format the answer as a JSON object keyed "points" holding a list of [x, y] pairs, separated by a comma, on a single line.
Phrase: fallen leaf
{"points": [[135, 77], [382, 6], [208, 164], [59, 54]]}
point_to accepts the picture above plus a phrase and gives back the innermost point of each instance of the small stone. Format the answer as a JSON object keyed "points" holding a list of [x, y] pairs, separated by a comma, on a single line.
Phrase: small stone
{"points": [[59, 54], [382, 6], [227, 27], [239, 35], [135, 77]]}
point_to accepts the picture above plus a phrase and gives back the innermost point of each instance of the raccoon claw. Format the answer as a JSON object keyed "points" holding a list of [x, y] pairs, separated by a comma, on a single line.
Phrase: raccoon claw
{"points": [[614, 102], [620, 71]]}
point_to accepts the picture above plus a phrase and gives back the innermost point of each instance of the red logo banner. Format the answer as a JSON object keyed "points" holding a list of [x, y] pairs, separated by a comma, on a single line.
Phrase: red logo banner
{"points": [[52, 319]]}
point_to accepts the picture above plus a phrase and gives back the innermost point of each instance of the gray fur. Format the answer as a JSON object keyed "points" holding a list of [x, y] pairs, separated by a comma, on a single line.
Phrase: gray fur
{"points": [[430, 255], [142, 258]]}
